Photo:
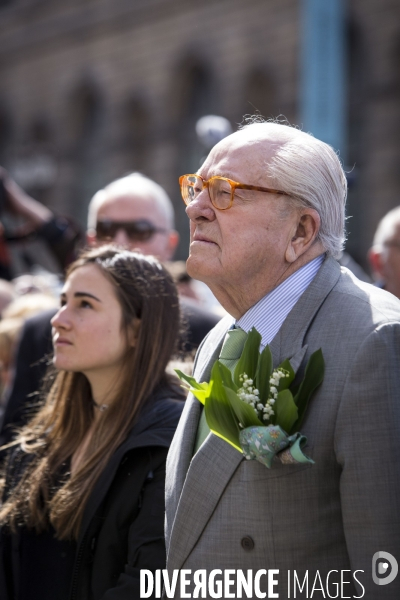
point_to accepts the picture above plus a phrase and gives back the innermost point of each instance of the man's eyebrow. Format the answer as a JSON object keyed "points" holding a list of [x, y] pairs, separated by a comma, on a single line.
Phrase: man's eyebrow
{"points": [[212, 173], [81, 294]]}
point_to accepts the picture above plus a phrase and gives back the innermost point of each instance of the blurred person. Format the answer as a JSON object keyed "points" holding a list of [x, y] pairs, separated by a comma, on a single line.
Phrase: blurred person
{"points": [[29, 304], [134, 212], [10, 328], [38, 280], [31, 361], [7, 294], [384, 255], [83, 495], [11, 324], [60, 233], [13, 318]]}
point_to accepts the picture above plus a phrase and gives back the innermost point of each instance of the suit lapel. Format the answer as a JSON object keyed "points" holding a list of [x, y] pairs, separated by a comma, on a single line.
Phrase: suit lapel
{"points": [[201, 492], [192, 487], [181, 450]]}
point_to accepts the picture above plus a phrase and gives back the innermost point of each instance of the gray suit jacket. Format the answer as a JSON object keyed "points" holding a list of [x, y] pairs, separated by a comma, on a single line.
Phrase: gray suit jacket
{"points": [[225, 512]]}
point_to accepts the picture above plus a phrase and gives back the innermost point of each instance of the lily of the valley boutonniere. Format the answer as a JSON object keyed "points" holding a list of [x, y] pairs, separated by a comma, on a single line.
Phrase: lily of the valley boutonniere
{"points": [[259, 410]]}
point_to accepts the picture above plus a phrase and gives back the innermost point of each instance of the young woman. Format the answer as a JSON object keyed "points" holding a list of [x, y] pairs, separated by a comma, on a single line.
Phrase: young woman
{"points": [[83, 491]]}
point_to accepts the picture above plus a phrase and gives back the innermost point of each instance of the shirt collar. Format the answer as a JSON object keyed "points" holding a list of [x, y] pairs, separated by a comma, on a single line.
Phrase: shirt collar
{"points": [[269, 313]]}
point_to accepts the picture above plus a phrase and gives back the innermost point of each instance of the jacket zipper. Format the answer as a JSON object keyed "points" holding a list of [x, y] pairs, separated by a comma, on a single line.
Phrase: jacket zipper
{"points": [[74, 585]]}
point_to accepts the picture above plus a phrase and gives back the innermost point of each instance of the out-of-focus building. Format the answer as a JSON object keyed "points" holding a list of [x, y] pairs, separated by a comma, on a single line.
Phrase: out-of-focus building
{"points": [[92, 89]]}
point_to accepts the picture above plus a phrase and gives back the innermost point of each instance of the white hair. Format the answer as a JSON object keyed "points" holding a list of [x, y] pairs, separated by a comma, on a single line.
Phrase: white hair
{"points": [[311, 173], [386, 227], [134, 184]]}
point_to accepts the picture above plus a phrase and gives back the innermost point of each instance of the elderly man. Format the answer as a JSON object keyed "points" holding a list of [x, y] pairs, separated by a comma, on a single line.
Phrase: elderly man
{"points": [[384, 256], [266, 217], [135, 212]]}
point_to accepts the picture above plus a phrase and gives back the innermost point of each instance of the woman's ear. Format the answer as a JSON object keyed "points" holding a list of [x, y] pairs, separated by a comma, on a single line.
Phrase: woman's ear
{"points": [[133, 332], [307, 228]]}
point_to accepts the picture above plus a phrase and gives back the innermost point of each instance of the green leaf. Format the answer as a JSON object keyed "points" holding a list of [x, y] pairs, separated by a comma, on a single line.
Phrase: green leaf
{"points": [[219, 413], [216, 380], [264, 371], [226, 376], [218, 410], [286, 381], [285, 410], [199, 390], [245, 414], [222, 421], [249, 358], [191, 380], [200, 394], [313, 377]]}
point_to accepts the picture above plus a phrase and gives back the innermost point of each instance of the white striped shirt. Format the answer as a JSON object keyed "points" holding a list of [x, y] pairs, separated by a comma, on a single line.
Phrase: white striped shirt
{"points": [[269, 313]]}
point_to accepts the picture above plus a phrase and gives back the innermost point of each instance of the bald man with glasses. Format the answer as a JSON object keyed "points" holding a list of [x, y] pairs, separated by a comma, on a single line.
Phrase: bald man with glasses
{"points": [[135, 212]]}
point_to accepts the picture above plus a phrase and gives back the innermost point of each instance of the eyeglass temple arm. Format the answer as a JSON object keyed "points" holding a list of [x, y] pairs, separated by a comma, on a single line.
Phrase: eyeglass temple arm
{"points": [[257, 188]]}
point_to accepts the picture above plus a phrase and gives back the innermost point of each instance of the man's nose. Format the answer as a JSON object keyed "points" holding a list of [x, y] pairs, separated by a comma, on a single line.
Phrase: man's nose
{"points": [[201, 207], [121, 238]]}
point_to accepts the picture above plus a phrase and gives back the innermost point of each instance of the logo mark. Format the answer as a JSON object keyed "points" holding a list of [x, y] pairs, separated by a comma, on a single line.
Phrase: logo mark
{"points": [[381, 561]]}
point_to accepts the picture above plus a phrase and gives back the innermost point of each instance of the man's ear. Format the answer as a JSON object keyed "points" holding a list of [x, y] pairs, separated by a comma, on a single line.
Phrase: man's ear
{"points": [[375, 260], [91, 237], [133, 332], [173, 240], [305, 232]]}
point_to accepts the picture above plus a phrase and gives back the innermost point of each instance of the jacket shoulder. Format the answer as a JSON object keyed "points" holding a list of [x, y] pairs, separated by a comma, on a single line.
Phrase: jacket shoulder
{"points": [[157, 423], [364, 301]]}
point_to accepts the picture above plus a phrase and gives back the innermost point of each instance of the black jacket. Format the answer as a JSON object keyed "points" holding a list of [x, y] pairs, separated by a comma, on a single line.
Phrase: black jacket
{"points": [[123, 524]]}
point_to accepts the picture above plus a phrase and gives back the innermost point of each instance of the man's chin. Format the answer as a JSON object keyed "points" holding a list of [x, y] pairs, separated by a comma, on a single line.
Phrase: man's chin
{"points": [[197, 267]]}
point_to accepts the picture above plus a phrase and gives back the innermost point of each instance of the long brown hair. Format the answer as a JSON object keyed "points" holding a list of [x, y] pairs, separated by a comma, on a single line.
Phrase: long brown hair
{"points": [[145, 291]]}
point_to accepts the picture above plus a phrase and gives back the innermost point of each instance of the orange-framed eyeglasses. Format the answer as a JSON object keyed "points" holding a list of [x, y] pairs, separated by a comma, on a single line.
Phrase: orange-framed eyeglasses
{"points": [[220, 189]]}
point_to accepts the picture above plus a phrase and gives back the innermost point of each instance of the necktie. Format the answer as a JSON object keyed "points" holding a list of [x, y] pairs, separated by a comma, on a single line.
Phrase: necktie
{"points": [[231, 351]]}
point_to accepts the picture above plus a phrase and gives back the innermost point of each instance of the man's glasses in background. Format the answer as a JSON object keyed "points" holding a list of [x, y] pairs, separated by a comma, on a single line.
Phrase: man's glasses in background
{"points": [[137, 231]]}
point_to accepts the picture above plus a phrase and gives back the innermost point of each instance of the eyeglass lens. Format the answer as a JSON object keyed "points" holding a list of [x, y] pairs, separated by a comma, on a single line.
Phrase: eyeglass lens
{"points": [[220, 190], [138, 231]]}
